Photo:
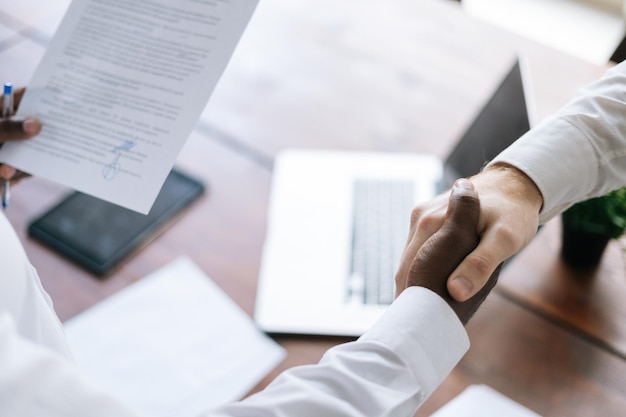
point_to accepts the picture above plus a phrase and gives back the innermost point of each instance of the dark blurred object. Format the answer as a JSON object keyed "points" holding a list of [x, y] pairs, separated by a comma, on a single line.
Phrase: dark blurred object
{"points": [[99, 235]]}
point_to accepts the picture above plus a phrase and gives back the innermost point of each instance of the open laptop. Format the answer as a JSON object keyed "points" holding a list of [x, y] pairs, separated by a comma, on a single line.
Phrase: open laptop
{"points": [[338, 220]]}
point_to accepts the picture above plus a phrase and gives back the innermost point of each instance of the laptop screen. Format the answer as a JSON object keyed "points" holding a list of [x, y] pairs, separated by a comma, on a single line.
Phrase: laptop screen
{"points": [[502, 120]]}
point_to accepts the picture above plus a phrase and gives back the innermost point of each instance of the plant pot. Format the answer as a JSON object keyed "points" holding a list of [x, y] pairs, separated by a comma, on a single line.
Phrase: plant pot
{"points": [[582, 249]]}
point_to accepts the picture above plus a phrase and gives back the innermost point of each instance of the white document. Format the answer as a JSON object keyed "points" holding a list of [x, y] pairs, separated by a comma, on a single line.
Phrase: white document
{"points": [[483, 401], [119, 90], [172, 344]]}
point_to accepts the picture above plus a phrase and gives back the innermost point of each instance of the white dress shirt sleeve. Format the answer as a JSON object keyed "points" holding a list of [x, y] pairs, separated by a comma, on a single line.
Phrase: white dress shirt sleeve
{"points": [[23, 297], [580, 152], [389, 371], [36, 381]]}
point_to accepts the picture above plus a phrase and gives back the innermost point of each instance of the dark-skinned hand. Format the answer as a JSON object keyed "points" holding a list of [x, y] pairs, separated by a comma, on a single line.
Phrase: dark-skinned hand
{"points": [[16, 129], [444, 250]]}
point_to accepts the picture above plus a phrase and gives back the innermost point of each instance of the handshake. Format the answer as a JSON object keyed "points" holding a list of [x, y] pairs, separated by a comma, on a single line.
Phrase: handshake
{"points": [[439, 253]]}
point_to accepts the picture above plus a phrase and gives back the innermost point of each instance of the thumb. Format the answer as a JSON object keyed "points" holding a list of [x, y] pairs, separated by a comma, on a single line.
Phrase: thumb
{"points": [[12, 129], [462, 217], [445, 249]]}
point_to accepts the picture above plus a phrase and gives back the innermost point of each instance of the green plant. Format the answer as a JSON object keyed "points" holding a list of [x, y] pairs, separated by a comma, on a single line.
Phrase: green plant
{"points": [[605, 215]]}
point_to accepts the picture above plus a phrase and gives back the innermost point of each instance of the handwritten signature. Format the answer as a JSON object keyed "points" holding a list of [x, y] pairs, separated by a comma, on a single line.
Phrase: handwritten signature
{"points": [[110, 170]]}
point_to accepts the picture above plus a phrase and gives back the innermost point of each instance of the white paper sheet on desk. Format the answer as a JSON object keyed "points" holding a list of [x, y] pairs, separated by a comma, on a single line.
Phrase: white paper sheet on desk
{"points": [[172, 344], [120, 89], [483, 401]]}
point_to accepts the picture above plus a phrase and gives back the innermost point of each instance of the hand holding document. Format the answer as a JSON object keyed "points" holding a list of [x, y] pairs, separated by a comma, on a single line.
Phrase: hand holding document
{"points": [[120, 89], [172, 344]]}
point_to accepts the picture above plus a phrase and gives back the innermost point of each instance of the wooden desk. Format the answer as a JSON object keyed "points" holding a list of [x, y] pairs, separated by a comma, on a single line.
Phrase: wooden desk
{"points": [[399, 75]]}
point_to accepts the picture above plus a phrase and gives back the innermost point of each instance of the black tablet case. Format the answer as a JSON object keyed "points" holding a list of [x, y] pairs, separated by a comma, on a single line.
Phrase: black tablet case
{"points": [[99, 235]]}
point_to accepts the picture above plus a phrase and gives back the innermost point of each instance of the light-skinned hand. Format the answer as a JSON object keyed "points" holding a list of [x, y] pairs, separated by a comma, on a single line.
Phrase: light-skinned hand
{"points": [[508, 219]]}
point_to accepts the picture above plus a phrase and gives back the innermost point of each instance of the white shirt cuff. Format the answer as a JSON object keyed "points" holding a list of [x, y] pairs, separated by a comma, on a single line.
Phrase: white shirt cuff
{"points": [[423, 330]]}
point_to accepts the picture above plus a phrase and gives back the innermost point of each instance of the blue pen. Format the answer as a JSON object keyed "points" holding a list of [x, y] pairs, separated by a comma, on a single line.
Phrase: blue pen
{"points": [[7, 101], [6, 193], [7, 111]]}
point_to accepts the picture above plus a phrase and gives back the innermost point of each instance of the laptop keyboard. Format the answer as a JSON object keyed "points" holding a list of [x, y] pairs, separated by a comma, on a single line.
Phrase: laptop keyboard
{"points": [[381, 218]]}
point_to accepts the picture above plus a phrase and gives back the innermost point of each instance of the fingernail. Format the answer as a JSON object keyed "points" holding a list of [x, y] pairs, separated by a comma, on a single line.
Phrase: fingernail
{"points": [[462, 287], [463, 184], [31, 126]]}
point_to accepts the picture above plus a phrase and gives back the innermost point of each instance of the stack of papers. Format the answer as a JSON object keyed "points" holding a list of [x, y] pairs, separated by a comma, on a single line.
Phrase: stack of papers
{"points": [[172, 344], [483, 401], [119, 90]]}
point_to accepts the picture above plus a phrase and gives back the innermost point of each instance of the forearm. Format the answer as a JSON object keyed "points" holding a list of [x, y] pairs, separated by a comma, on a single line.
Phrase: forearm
{"points": [[581, 151], [389, 371]]}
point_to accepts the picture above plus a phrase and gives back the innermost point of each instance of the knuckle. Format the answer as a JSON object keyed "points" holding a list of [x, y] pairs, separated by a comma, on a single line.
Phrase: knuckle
{"points": [[506, 236], [416, 214], [480, 264], [422, 221], [426, 213]]}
